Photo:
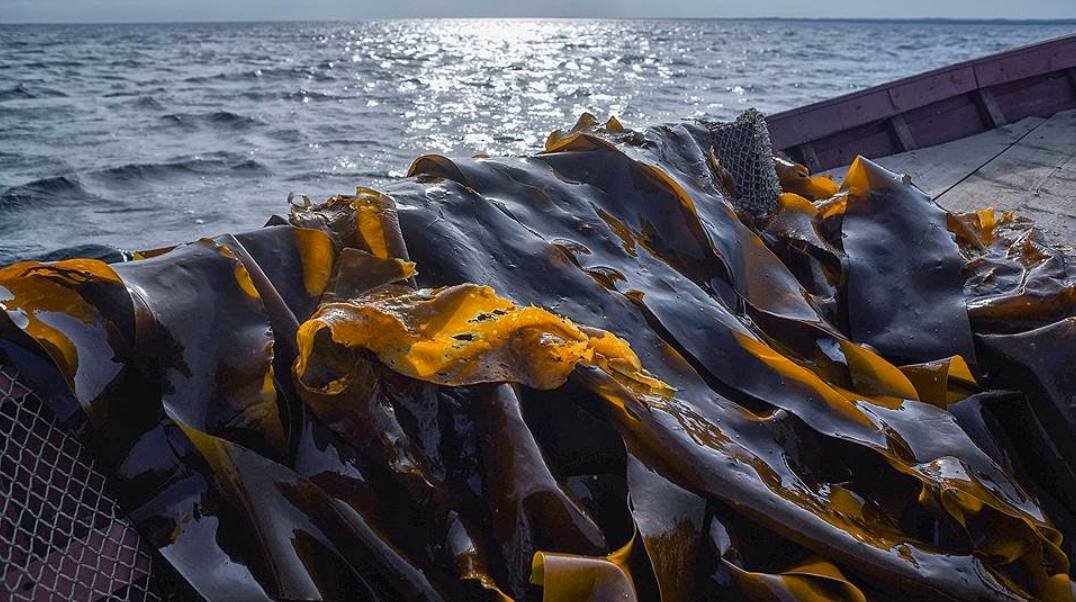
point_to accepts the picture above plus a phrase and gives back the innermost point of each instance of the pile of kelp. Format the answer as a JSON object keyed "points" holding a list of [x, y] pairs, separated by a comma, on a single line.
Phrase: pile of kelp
{"points": [[581, 375]]}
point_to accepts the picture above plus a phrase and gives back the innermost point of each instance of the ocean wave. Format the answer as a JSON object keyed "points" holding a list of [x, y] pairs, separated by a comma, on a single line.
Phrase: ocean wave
{"points": [[22, 91], [53, 64], [70, 189], [303, 95], [141, 91], [267, 73], [216, 119], [298, 95], [228, 76], [141, 172], [148, 102], [105, 253], [249, 166], [364, 142], [46, 191], [290, 135]]}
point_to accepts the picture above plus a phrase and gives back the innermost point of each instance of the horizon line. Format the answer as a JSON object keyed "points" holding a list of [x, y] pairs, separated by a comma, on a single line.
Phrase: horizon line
{"points": [[949, 20]]}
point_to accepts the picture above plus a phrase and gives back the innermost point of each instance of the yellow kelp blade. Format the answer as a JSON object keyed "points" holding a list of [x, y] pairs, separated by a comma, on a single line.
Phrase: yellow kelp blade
{"points": [[796, 178], [942, 382], [571, 577], [467, 334], [814, 581]]}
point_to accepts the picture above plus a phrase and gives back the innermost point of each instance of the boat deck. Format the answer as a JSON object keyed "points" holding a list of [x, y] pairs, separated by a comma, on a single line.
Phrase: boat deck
{"points": [[1028, 167]]}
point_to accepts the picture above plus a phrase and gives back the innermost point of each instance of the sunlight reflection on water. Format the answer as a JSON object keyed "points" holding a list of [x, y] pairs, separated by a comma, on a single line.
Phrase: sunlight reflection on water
{"points": [[150, 134]]}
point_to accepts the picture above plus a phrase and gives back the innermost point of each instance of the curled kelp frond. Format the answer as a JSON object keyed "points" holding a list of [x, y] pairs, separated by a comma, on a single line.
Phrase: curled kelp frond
{"points": [[465, 335], [587, 374], [795, 178]]}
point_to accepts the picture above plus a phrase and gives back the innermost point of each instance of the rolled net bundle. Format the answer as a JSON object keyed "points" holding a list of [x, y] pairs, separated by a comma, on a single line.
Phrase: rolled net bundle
{"points": [[743, 148]]}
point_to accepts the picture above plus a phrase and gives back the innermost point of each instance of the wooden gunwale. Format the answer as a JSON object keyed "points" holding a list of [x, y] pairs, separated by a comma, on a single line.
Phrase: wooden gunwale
{"points": [[931, 108]]}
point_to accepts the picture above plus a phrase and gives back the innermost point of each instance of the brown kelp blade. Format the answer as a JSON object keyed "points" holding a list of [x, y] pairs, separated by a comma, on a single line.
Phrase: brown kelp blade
{"points": [[587, 374]]}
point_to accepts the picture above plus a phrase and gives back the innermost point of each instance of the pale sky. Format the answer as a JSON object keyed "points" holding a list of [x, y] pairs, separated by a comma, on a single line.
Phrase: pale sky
{"points": [[269, 10]]}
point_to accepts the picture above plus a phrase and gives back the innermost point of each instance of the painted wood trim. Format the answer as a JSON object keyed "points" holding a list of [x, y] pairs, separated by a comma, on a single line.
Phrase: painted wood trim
{"points": [[995, 117], [903, 133]]}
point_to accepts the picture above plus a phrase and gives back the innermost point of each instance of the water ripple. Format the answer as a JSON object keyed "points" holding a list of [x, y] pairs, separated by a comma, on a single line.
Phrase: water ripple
{"points": [[213, 124]]}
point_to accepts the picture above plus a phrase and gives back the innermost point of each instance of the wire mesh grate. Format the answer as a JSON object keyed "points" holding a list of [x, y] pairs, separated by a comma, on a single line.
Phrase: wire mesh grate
{"points": [[62, 537]]}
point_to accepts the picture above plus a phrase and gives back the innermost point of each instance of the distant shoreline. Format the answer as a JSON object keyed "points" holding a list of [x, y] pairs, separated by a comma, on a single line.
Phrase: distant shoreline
{"points": [[921, 21]]}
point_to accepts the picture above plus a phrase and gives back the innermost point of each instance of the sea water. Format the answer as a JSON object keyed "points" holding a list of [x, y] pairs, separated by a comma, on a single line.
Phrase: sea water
{"points": [[136, 136]]}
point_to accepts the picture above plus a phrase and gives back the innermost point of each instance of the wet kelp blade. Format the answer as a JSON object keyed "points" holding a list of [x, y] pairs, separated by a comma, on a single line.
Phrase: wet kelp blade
{"points": [[529, 263], [583, 374], [904, 291]]}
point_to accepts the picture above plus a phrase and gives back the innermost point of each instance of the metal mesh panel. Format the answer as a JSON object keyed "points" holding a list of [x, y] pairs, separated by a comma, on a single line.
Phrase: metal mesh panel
{"points": [[61, 536], [744, 150]]}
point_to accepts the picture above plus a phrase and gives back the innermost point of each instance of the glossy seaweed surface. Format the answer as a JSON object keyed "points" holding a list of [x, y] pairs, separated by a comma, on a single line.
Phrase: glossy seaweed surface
{"points": [[581, 375]]}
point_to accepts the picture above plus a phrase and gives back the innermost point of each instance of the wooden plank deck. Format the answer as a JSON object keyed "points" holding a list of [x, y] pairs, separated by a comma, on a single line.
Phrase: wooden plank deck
{"points": [[1028, 167], [935, 169]]}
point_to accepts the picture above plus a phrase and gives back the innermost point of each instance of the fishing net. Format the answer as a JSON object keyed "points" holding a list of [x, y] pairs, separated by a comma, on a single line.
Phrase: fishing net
{"points": [[62, 536], [744, 150]]}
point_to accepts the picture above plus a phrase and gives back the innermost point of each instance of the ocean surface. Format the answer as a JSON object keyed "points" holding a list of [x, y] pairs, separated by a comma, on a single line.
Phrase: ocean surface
{"points": [[136, 136]]}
